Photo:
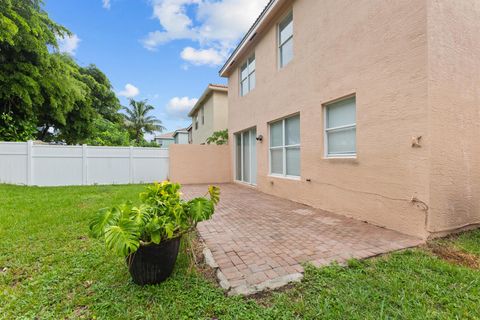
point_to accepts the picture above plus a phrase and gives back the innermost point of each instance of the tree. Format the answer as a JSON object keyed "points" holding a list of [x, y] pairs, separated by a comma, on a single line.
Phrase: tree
{"points": [[104, 99], [26, 34], [138, 120], [107, 133], [219, 137], [41, 88]]}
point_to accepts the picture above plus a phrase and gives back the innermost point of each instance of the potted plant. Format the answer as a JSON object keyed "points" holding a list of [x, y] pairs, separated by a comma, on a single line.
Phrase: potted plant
{"points": [[148, 236]]}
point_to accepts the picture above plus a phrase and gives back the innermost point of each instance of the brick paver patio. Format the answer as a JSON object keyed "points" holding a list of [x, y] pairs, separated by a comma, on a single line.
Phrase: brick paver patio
{"points": [[258, 241]]}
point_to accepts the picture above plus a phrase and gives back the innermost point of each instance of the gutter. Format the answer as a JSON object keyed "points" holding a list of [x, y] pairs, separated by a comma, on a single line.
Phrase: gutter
{"points": [[249, 36]]}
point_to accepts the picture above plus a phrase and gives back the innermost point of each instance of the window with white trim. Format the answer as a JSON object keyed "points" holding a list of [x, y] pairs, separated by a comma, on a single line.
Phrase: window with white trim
{"points": [[285, 147], [203, 115], [196, 122], [341, 128], [247, 76], [285, 40]]}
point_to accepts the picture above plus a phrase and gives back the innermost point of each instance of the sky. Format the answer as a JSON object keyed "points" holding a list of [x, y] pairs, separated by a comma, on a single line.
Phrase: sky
{"points": [[166, 51]]}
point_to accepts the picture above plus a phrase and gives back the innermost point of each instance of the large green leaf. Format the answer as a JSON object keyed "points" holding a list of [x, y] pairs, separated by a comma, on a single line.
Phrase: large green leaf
{"points": [[103, 219], [214, 194], [200, 209], [141, 215], [123, 238]]}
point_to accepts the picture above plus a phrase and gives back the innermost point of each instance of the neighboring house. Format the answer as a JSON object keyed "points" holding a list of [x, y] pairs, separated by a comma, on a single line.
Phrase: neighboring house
{"points": [[181, 136], [189, 130], [210, 113], [367, 108], [165, 139]]}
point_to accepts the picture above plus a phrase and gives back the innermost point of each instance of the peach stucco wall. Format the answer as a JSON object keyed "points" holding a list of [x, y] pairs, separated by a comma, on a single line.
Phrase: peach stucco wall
{"points": [[377, 50], [414, 67], [454, 103], [191, 164]]}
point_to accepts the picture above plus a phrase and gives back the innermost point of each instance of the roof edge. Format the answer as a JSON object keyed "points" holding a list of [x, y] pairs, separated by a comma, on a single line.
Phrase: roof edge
{"points": [[249, 35], [210, 88]]}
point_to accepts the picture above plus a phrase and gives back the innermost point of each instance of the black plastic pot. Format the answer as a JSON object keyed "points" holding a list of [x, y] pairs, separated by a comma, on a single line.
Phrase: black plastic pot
{"points": [[153, 263]]}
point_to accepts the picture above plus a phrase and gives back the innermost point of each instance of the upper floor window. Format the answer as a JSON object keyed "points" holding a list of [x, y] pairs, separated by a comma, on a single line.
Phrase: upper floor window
{"points": [[285, 40], [341, 128], [203, 115], [285, 147], [247, 76], [196, 122]]}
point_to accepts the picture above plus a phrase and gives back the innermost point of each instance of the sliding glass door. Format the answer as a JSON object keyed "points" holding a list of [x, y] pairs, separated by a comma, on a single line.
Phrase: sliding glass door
{"points": [[246, 156]]}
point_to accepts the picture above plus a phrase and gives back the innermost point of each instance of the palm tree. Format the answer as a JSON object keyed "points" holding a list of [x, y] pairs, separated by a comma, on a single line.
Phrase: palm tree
{"points": [[138, 121]]}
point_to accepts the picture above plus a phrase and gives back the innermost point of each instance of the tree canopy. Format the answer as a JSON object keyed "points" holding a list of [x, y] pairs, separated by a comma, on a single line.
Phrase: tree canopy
{"points": [[45, 94]]}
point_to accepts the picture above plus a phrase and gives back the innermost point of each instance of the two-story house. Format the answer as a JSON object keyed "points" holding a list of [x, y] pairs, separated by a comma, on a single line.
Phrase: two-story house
{"points": [[367, 108], [210, 113]]}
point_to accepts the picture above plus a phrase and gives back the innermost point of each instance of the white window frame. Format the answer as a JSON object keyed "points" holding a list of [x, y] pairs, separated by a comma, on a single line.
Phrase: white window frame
{"points": [[284, 148], [203, 115], [280, 43], [247, 64], [196, 122], [327, 130]]}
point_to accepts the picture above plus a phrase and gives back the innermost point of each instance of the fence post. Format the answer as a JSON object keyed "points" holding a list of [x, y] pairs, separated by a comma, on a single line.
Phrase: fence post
{"points": [[131, 172], [29, 163], [84, 165]]}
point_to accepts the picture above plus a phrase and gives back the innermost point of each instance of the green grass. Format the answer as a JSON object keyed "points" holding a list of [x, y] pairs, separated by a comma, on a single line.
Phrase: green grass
{"points": [[50, 269]]}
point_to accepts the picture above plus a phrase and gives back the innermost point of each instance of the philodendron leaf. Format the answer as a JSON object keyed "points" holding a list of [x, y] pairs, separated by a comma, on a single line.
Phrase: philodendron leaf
{"points": [[102, 220], [169, 229], [200, 209], [156, 237], [123, 238], [214, 194], [140, 215]]}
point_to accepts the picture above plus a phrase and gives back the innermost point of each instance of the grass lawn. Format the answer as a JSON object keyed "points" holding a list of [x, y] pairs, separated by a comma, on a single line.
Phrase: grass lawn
{"points": [[50, 269]]}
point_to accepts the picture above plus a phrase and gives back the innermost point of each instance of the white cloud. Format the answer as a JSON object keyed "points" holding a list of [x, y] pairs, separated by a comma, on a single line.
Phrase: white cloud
{"points": [[216, 25], [130, 91], [203, 56], [68, 44], [180, 107], [106, 4]]}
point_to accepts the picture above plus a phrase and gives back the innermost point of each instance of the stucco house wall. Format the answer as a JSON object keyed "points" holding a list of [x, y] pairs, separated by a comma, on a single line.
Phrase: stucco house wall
{"points": [[181, 137], [454, 111], [397, 57], [220, 113], [215, 106]]}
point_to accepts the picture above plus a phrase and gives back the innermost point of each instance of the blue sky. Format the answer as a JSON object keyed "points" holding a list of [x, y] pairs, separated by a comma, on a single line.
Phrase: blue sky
{"points": [[166, 51]]}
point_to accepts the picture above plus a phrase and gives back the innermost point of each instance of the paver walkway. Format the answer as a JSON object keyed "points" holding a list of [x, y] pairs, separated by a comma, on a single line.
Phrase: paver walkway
{"points": [[258, 241]]}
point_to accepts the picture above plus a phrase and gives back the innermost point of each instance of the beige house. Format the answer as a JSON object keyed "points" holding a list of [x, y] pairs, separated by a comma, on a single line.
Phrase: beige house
{"points": [[366, 108], [210, 113]]}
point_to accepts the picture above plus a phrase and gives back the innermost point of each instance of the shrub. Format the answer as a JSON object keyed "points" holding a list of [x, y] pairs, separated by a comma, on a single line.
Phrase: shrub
{"points": [[162, 215]]}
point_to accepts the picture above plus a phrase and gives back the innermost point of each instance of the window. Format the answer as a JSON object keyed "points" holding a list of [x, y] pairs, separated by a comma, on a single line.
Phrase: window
{"points": [[203, 115], [285, 147], [285, 40], [247, 76], [196, 122], [341, 129]]}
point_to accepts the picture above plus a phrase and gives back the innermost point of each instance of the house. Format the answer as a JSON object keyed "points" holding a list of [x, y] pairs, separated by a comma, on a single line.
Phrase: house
{"points": [[369, 109], [166, 139], [181, 136], [210, 113]]}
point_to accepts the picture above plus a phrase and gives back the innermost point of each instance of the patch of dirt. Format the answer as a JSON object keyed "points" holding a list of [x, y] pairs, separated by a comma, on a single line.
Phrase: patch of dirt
{"points": [[454, 255], [265, 298], [194, 247], [81, 312]]}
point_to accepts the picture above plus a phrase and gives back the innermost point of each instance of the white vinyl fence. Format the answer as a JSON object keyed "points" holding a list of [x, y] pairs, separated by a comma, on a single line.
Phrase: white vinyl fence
{"points": [[51, 165]]}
